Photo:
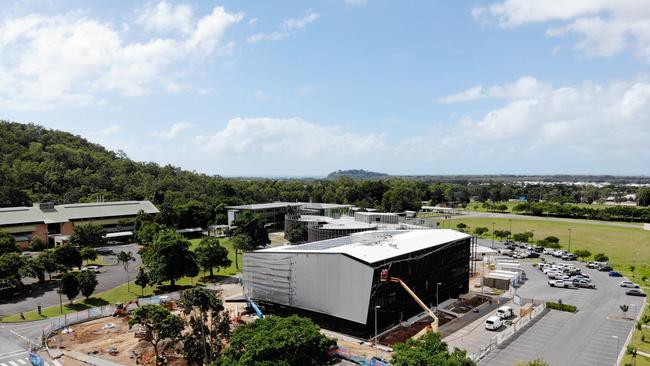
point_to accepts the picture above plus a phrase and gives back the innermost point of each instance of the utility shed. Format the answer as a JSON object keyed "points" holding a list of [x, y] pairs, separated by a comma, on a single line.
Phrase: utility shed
{"points": [[337, 283]]}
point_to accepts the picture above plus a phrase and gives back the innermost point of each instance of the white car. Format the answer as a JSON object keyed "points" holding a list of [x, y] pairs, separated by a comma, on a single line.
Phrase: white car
{"points": [[493, 323], [504, 312], [629, 284]]}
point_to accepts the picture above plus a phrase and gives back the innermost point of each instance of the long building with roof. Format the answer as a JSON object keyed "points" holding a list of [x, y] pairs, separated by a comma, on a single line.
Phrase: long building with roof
{"points": [[49, 221], [272, 213], [337, 283]]}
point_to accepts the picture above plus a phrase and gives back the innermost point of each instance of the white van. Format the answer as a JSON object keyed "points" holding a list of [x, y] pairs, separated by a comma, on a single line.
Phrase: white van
{"points": [[504, 312], [493, 323]]}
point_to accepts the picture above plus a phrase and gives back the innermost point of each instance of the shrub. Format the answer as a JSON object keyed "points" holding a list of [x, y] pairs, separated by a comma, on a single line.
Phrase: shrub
{"points": [[561, 307]]}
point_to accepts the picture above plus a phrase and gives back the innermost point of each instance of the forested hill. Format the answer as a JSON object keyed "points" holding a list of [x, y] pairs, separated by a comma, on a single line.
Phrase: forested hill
{"points": [[356, 173]]}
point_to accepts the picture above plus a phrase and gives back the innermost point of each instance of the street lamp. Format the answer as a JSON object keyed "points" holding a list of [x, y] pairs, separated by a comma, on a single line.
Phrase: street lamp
{"points": [[510, 226], [437, 302], [492, 235], [376, 348], [569, 239]]}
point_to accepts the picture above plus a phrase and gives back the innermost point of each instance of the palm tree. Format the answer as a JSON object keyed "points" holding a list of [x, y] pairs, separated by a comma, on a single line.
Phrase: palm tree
{"points": [[126, 258]]}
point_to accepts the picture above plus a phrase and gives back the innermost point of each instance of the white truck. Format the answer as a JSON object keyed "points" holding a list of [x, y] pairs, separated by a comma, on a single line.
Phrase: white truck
{"points": [[493, 323], [504, 312]]}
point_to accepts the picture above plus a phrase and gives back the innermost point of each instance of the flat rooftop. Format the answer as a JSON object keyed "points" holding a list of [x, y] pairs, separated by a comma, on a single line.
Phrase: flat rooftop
{"points": [[375, 213], [263, 206], [375, 246]]}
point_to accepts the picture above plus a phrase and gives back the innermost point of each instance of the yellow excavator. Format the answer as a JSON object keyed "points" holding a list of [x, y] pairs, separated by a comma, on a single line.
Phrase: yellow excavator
{"points": [[434, 325]]}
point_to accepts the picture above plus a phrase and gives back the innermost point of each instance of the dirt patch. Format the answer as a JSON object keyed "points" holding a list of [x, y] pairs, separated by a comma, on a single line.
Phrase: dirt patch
{"points": [[402, 333]]}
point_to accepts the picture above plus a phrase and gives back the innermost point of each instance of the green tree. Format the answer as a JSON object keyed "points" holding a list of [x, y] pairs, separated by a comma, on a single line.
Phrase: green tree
{"points": [[291, 341], [428, 350], [210, 254], [552, 239], [461, 226], [37, 244], [12, 268], [251, 225], [643, 196], [36, 269], [158, 324], [210, 325], [125, 258], [582, 253], [88, 254], [8, 243], [296, 234], [241, 242], [169, 258], [142, 279], [49, 262], [502, 234], [480, 230], [88, 235], [601, 257], [69, 285], [145, 233], [68, 256], [87, 282], [520, 237]]}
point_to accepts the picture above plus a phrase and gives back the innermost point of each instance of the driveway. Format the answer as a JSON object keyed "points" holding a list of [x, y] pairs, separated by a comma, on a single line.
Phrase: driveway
{"points": [[592, 336], [110, 276]]}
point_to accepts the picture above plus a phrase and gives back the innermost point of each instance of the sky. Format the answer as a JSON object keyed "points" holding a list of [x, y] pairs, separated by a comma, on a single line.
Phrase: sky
{"points": [[295, 88]]}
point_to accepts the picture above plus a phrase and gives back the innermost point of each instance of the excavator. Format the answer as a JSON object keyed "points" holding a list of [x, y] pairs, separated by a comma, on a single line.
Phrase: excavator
{"points": [[434, 325]]}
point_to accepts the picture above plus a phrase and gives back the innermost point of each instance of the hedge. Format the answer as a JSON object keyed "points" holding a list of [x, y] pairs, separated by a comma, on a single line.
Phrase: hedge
{"points": [[561, 307]]}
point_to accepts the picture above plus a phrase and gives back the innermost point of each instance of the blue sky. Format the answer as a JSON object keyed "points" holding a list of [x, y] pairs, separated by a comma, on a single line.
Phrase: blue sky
{"points": [[303, 88]]}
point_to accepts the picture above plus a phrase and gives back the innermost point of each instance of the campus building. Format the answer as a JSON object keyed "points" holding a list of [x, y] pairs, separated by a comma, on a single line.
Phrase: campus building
{"points": [[54, 223], [336, 282], [272, 214]]}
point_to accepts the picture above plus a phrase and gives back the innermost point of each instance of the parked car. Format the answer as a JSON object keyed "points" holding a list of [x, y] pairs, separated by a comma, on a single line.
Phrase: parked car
{"points": [[635, 292], [91, 268], [104, 251], [628, 284], [583, 283], [504, 312], [533, 255], [561, 283], [614, 274], [605, 268], [493, 323]]}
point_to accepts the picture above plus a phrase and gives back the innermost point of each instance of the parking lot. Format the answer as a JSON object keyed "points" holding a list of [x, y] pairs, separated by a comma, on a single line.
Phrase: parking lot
{"points": [[592, 336]]}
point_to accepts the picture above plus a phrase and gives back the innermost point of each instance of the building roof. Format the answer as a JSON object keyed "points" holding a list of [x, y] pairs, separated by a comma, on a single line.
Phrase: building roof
{"points": [[375, 213], [317, 205], [263, 206], [375, 246], [67, 212]]}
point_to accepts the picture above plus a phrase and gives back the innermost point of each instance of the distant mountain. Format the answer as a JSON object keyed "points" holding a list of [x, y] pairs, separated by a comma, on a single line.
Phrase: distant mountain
{"points": [[355, 173]]}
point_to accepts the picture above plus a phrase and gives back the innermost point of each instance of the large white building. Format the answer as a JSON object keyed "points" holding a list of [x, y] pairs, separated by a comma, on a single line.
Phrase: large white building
{"points": [[337, 281]]}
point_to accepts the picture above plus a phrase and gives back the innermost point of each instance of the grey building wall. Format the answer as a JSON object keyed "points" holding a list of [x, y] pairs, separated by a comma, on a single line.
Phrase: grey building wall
{"points": [[332, 284]]}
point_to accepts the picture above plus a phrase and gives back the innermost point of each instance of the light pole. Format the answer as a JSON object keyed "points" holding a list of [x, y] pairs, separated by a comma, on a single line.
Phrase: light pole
{"points": [[376, 348], [569, 239], [493, 235], [509, 227], [437, 302]]}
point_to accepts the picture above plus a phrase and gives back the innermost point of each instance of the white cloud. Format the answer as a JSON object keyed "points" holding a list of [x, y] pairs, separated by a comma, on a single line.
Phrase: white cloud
{"points": [[173, 131], [287, 27], [589, 122], [307, 89], [166, 17], [607, 27], [252, 21], [71, 59], [524, 87], [287, 137]]}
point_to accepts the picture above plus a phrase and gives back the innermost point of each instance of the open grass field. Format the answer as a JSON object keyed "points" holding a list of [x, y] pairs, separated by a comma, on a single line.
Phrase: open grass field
{"points": [[122, 294], [641, 341], [624, 246], [478, 206]]}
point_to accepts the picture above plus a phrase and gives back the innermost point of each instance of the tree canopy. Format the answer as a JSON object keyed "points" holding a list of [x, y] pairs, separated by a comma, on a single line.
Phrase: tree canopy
{"points": [[290, 341], [68, 256], [211, 254], [168, 258], [251, 225], [88, 235], [428, 350], [7, 243], [158, 323]]}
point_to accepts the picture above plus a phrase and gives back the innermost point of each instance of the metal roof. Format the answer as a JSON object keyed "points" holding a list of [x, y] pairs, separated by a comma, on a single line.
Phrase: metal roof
{"points": [[67, 212], [375, 246], [263, 206]]}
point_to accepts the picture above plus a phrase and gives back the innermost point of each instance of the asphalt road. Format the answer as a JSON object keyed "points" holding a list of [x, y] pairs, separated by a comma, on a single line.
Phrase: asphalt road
{"points": [[14, 341], [109, 277], [592, 336]]}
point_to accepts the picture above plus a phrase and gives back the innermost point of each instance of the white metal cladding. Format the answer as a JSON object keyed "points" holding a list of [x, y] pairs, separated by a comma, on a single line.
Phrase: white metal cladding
{"points": [[332, 284]]}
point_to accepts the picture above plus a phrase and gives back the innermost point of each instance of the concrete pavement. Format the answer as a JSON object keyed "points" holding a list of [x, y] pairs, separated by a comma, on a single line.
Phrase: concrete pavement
{"points": [[593, 336], [110, 276]]}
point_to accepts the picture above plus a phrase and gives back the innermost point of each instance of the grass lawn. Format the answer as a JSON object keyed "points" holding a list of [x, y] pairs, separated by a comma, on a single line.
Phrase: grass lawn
{"points": [[121, 294], [624, 246], [641, 345]]}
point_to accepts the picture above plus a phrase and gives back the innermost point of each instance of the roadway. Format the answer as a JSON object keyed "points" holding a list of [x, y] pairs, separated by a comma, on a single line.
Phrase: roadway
{"points": [[110, 276], [593, 336]]}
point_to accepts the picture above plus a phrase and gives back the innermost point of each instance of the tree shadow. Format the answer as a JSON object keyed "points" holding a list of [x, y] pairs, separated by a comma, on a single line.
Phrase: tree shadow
{"points": [[27, 291], [214, 279], [162, 289]]}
